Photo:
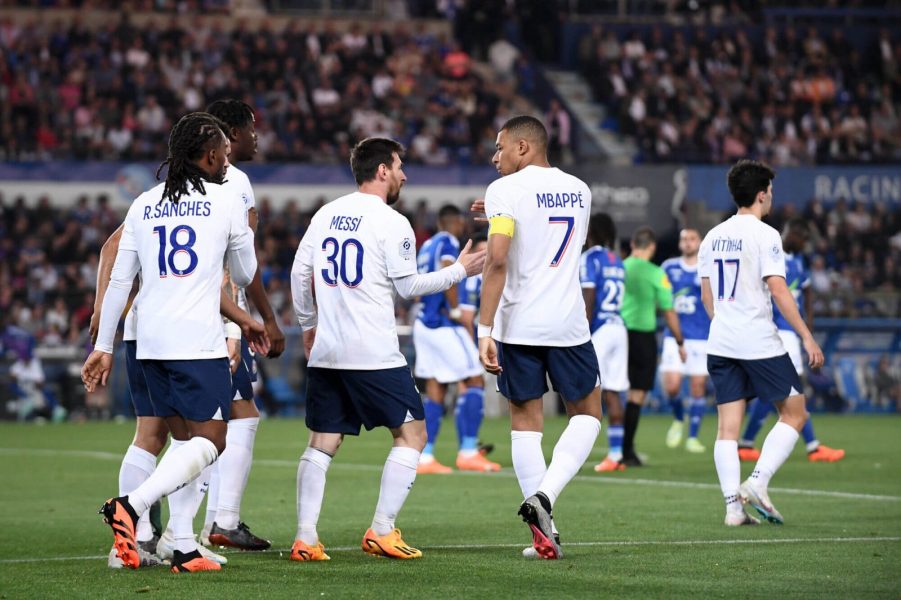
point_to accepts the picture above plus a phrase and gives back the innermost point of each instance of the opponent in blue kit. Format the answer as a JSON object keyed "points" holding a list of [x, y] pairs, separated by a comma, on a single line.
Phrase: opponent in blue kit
{"points": [[695, 324], [603, 276], [446, 353]]}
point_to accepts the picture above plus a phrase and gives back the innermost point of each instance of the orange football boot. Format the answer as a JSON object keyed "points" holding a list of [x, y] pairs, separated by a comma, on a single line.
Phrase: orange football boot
{"points": [[192, 562], [432, 467], [390, 545], [302, 552], [476, 462], [748, 454], [608, 464], [826, 454], [121, 517]]}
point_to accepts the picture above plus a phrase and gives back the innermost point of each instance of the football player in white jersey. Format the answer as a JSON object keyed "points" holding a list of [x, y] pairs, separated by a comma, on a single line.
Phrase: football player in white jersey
{"points": [[179, 235], [742, 267], [228, 477], [356, 253], [151, 432], [532, 323]]}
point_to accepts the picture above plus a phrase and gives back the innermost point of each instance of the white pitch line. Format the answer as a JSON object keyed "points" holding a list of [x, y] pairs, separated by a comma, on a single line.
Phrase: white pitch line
{"points": [[688, 485], [617, 543]]}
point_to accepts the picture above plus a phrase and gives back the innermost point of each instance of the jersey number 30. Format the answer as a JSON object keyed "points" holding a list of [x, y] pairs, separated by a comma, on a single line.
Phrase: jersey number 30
{"points": [[337, 262], [168, 259]]}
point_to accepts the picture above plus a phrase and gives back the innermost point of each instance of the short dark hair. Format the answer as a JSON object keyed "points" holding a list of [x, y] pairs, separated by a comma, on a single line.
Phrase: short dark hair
{"points": [[233, 113], [368, 154], [527, 127], [602, 230], [746, 179], [448, 210], [194, 134], [643, 237], [479, 236]]}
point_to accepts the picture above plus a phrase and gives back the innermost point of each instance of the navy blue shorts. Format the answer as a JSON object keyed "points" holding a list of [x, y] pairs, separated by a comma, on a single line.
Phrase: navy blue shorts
{"points": [[340, 400], [243, 378], [770, 379], [137, 385], [573, 371], [198, 390]]}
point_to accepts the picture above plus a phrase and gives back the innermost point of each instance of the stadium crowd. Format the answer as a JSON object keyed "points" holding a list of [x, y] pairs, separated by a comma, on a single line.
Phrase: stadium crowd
{"points": [[789, 96], [72, 92]]}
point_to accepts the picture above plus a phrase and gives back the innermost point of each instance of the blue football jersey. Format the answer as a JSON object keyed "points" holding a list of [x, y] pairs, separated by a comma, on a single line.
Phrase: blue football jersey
{"points": [[435, 310], [603, 270], [469, 292], [686, 283], [798, 280]]}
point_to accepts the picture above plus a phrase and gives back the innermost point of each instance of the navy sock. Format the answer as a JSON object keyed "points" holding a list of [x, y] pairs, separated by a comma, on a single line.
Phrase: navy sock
{"points": [[695, 414], [759, 412], [678, 409], [433, 414]]}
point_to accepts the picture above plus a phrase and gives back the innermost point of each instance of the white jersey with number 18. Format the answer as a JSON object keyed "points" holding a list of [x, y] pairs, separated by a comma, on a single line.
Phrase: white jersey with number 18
{"points": [[737, 256], [181, 248], [542, 303]]}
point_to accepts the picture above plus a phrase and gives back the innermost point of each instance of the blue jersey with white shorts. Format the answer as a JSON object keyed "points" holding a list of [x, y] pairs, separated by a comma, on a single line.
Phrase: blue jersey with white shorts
{"points": [[798, 280], [603, 270], [687, 303], [435, 309]]}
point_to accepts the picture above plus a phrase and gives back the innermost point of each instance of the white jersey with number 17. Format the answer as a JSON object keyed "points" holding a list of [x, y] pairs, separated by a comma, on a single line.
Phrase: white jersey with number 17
{"points": [[542, 303], [737, 256], [181, 248]]}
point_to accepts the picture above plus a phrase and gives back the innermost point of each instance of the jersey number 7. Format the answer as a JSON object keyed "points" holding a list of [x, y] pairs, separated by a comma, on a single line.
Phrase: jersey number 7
{"points": [[567, 237]]}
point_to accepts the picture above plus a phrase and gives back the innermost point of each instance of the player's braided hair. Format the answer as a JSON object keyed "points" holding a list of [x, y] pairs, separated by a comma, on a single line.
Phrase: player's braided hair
{"points": [[193, 135], [233, 112]]}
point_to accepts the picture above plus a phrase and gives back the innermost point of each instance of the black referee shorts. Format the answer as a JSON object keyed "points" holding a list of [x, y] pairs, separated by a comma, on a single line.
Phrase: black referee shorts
{"points": [[642, 359]]}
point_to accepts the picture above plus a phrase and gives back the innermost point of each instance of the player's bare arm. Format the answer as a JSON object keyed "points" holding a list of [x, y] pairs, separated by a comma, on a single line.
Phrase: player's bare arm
{"points": [[707, 296], [784, 300], [104, 271], [256, 293], [254, 332], [494, 277], [672, 321], [589, 294]]}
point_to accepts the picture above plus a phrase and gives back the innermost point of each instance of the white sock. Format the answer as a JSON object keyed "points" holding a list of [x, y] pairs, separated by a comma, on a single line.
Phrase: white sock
{"points": [[310, 491], [528, 460], [777, 446], [212, 494], [137, 466], [728, 469], [179, 466], [570, 454], [234, 469], [397, 479], [183, 506]]}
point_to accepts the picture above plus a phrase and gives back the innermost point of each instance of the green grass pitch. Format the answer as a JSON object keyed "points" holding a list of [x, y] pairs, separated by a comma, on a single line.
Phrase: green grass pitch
{"points": [[653, 532]]}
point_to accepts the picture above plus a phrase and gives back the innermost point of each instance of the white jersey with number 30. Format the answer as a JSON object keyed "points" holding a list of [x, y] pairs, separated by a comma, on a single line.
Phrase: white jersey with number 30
{"points": [[356, 245], [181, 247], [542, 303], [737, 256]]}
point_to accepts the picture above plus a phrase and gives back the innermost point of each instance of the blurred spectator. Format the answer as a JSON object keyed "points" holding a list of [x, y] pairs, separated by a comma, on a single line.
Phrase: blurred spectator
{"points": [[556, 119], [886, 385]]}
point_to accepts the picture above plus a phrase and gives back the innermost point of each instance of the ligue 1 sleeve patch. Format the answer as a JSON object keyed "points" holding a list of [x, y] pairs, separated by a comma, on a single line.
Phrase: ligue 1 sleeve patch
{"points": [[776, 251], [406, 248]]}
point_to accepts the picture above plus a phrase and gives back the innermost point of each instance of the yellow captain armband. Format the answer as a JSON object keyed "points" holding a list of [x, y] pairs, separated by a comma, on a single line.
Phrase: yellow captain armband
{"points": [[501, 225]]}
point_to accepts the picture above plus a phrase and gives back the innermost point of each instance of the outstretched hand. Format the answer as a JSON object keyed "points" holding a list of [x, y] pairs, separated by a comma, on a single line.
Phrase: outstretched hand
{"points": [[257, 337], [471, 261], [478, 206], [96, 369]]}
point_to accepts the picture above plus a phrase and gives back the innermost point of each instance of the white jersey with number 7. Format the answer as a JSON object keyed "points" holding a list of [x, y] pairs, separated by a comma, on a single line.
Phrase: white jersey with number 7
{"points": [[542, 303], [737, 256]]}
